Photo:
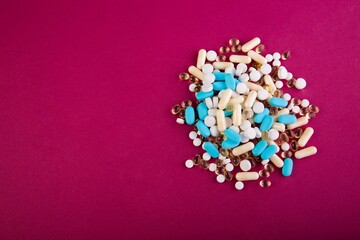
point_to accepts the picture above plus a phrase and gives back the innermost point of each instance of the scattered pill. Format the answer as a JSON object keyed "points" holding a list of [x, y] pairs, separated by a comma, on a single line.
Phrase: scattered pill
{"points": [[239, 185]]}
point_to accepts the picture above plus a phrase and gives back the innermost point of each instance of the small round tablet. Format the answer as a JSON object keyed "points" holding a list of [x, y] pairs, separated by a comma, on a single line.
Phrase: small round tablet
{"points": [[250, 133], [262, 94], [206, 156], [300, 83], [197, 142], [305, 103], [265, 69], [239, 185], [210, 121], [220, 178], [241, 88], [212, 167], [273, 134], [255, 76], [192, 135], [245, 165], [189, 163], [207, 68], [211, 55], [229, 167]]}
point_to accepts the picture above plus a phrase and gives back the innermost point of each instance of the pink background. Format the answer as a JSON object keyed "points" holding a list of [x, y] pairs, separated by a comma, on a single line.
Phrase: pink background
{"points": [[89, 149]]}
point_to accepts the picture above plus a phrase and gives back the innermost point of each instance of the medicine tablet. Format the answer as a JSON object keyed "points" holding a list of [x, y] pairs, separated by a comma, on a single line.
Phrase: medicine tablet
{"points": [[212, 167], [250, 133], [197, 142], [269, 57], [279, 84], [210, 121], [180, 121], [265, 69], [239, 185], [211, 55], [276, 63], [207, 87], [206, 156], [258, 107], [245, 165], [189, 163], [282, 72], [214, 131], [305, 103], [262, 94], [276, 56], [287, 97], [300, 83], [209, 78], [207, 68], [285, 146], [255, 76], [245, 125], [220, 178], [229, 167], [273, 134], [192, 135]]}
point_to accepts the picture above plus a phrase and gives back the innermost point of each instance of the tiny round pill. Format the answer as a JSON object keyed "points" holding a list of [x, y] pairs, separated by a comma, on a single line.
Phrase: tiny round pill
{"points": [[214, 131], [239, 185], [192, 87], [229, 167], [265, 183], [210, 121], [235, 128], [245, 125], [279, 84], [287, 96], [207, 68], [180, 121], [244, 77], [207, 87], [269, 57], [258, 107], [276, 63], [250, 133], [189, 163], [212, 167], [197, 142], [245, 165], [273, 134], [305, 103], [300, 83], [265, 69], [289, 76], [276, 56], [192, 135], [209, 78], [230, 70], [262, 94], [282, 72], [255, 76], [242, 88], [295, 109], [220, 178], [206, 156], [211, 55], [285, 146]]}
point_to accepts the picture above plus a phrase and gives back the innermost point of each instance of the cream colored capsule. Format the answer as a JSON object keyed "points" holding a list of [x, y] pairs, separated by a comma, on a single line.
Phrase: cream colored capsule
{"points": [[306, 152], [243, 148], [240, 59], [220, 120], [247, 176], [299, 122], [249, 102], [268, 81], [250, 44], [238, 99], [257, 57], [277, 161], [236, 116], [225, 99], [279, 126], [283, 111], [222, 65], [196, 72], [305, 136], [253, 86], [201, 58]]}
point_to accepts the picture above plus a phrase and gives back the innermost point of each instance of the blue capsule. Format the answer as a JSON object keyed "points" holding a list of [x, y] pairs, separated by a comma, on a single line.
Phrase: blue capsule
{"points": [[258, 118], [220, 76], [202, 111], [266, 123], [288, 167], [189, 115], [232, 135], [259, 148], [268, 152], [227, 144], [286, 119], [211, 149], [218, 86], [202, 95], [230, 82], [278, 102], [203, 129]]}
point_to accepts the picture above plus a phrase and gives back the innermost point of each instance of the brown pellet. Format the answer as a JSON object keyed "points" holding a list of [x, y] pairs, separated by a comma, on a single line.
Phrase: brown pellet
{"points": [[182, 113], [236, 48], [260, 48], [269, 167], [186, 103], [228, 175], [236, 161], [264, 173], [285, 55], [224, 49], [234, 42], [184, 76], [221, 58], [224, 152], [298, 132], [197, 159], [294, 145], [314, 108], [204, 165], [291, 83], [175, 109], [265, 183]]}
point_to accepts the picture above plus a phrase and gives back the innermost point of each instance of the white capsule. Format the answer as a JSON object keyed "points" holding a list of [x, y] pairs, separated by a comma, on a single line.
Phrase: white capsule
{"points": [[212, 167], [305, 137], [246, 176], [276, 56], [282, 73], [196, 72], [287, 97], [189, 163], [245, 125], [193, 135], [207, 68], [299, 122], [207, 87], [180, 121], [262, 94], [222, 65], [220, 178], [208, 103], [243, 148], [206, 156], [201, 58], [192, 87], [236, 117], [244, 77], [258, 132], [279, 126], [210, 121], [285, 146], [305, 103], [211, 55], [273, 134], [289, 76], [279, 84], [197, 142], [214, 131], [265, 69], [239, 185], [229, 167], [220, 119], [250, 99], [300, 83], [256, 57], [235, 128], [241, 88], [255, 76], [245, 165], [268, 81], [250, 133], [253, 86], [250, 44], [258, 107], [240, 59], [209, 78], [306, 152], [277, 161], [269, 57], [276, 63], [283, 111]]}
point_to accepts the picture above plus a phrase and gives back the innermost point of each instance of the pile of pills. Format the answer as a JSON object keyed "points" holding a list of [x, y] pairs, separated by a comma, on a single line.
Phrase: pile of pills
{"points": [[246, 125]]}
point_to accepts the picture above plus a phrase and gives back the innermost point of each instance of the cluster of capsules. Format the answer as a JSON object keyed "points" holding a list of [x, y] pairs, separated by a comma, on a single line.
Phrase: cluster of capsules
{"points": [[241, 118]]}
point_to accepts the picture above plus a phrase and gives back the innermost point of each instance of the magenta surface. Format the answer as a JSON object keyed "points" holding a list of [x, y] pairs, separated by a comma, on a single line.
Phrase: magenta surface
{"points": [[89, 149]]}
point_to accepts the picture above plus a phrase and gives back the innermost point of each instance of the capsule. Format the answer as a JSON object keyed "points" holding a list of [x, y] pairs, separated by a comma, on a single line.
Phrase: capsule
{"points": [[201, 58], [196, 72], [269, 152], [278, 102], [299, 122], [259, 148], [288, 167], [283, 111], [243, 148], [277, 161], [203, 129], [240, 59], [202, 95], [253, 86], [247, 176], [189, 115], [220, 76], [257, 57], [230, 82], [306, 152], [238, 99], [279, 126], [305, 137], [202, 110], [220, 120], [232, 135], [259, 117], [250, 100], [268, 81], [222, 65], [236, 117], [211, 149], [225, 99], [267, 123], [286, 119], [250, 44]]}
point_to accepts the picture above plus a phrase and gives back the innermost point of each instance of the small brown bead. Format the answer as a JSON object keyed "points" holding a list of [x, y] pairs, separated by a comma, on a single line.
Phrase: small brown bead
{"points": [[244, 156], [224, 152], [273, 110], [236, 48], [313, 108], [260, 48], [279, 141], [278, 93], [184, 76], [193, 79], [224, 49], [228, 175], [295, 101], [291, 83], [285, 55], [265, 183], [284, 137], [257, 159], [290, 133], [303, 111], [264, 173], [219, 162], [197, 89], [294, 145], [310, 115], [175, 109], [253, 162], [220, 170], [220, 138], [221, 58], [286, 154], [186, 103], [298, 132], [261, 82], [197, 159], [182, 113], [204, 165], [269, 167], [234, 42], [236, 161]]}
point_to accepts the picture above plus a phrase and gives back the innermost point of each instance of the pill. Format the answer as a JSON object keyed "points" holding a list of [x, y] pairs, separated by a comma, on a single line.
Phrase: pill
{"points": [[211, 149], [265, 69], [305, 103], [258, 107], [273, 134], [282, 72], [288, 167], [277, 161], [218, 86], [269, 151], [209, 103], [250, 100], [192, 135], [197, 142], [203, 129], [201, 58], [250, 44], [202, 110], [211, 55], [228, 144], [236, 117], [286, 119], [262, 94], [278, 102], [202, 95], [236, 100], [229, 167], [240, 59], [196, 72], [222, 65], [253, 86], [256, 57], [225, 99], [279, 84], [268, 81], [220, 178], [180, 121], [220, 76], [300, 83], [258, 118], [230, 82], [245, 165], [259, 148], [210, 121], [255, 76], [305, 137], [245, 125], [220, 120], [279, 126], [239, 185], [266, 123], [299, 122], [207, 69], [246, 176], [306, 152], [243, 148], [190, 115], [232, 135], [209, 78]]}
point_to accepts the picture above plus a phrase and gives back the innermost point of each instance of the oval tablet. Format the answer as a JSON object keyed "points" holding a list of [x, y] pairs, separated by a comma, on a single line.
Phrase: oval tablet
{"points": [[266, 123], [288, 167], [218, 86], [259, 148], [202, 111], [230, 82], [220, 76], [202, 95], [211, 149], [190, 115], [260, 116], [227, 144], [243, 149], [203, 129], [269, 152], [278, 102], [286, 119], [232, 135]]}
